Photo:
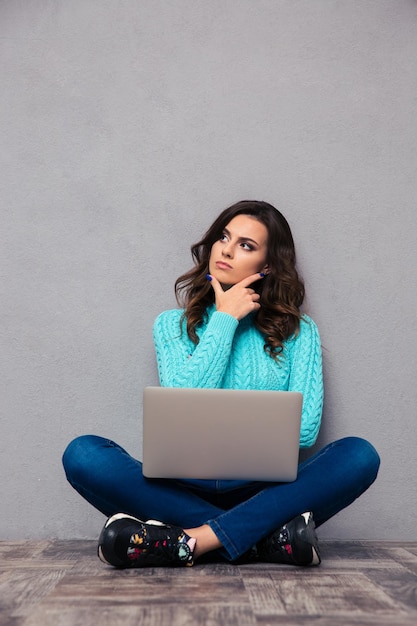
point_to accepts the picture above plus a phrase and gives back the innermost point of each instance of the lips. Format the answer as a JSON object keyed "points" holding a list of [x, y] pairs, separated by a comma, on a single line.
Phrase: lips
{"points": [[221, 265]]}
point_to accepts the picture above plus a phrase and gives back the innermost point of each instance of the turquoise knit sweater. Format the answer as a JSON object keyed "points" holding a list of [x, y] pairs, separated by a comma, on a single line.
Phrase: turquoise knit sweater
{"points": [[231, 355]]}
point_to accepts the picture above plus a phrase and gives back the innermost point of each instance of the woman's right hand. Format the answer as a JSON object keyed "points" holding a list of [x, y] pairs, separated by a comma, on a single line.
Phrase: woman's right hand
{"points": [[239, 300]]}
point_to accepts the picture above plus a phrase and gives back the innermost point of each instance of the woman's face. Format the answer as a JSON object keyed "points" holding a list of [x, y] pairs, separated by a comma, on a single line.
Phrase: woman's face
{"points": [[240, 251]]}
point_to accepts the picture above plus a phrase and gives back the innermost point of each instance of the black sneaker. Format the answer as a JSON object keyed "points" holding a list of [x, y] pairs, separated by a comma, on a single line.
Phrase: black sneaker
{"points": [[294, 543], [128, 542]]}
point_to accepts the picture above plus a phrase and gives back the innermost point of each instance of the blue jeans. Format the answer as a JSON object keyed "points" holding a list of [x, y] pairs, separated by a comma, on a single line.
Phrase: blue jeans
{"points": [[239, 512]]}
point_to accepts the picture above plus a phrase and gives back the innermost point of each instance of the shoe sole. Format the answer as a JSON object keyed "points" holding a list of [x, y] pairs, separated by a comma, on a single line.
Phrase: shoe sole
{"points": [[117, 516]]}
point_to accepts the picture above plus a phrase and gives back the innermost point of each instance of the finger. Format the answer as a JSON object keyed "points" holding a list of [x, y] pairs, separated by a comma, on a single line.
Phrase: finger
{"points": [[217, 288], [250, 279]]}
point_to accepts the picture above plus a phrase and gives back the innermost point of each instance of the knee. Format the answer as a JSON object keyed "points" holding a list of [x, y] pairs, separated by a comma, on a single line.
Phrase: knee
{"points": [[79, 455], [364, 458]]}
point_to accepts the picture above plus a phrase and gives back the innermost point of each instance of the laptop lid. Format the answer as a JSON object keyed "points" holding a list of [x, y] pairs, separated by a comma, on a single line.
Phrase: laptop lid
{"points": [[222, 434]]}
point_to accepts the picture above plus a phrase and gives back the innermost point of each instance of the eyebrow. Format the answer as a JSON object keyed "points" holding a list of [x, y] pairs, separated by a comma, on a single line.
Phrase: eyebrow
{"points": [[225, 230]]}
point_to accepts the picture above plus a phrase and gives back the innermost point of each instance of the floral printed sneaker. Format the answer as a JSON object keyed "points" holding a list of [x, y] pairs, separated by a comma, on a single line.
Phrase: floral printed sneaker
{"points": [[128, 542], [294, 543]]}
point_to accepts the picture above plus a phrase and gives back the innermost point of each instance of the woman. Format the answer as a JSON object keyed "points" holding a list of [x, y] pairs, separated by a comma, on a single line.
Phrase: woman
{"points": [[240, 327]]}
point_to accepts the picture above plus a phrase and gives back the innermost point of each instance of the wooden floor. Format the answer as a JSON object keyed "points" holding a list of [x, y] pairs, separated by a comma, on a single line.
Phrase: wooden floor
{"points": [[54, 583]]}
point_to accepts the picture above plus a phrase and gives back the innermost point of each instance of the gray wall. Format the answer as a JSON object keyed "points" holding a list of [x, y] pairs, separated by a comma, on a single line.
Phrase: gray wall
{"points": [[126, 126]]}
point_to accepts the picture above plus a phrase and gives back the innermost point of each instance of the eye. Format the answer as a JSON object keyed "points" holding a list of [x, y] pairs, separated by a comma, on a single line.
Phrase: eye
{"points": [[247, 246], [223, 237]]}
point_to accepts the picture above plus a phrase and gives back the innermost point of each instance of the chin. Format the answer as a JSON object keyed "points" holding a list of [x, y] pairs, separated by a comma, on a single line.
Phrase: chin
{"points": [[226, 284], [222, 278]]}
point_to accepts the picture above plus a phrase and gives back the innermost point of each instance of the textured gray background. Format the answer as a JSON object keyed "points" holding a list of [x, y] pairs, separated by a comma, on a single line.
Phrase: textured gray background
{"points": [[126, 126]]}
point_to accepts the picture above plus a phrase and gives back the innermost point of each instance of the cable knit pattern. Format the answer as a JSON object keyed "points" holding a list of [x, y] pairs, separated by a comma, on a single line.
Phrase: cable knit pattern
{"points": [[231, 355]]}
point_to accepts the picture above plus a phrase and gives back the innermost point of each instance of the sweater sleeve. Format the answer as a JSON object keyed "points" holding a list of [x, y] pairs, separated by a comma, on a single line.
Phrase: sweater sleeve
{"points": [[180, 362], [306, 376]]}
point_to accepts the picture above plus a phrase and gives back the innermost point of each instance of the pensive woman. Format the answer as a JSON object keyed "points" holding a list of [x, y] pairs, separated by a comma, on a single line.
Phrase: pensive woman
{"points": [[240, 326]]}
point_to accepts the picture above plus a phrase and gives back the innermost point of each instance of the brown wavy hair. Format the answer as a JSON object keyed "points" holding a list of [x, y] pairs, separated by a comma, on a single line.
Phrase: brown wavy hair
{"points": [[281, 291]]}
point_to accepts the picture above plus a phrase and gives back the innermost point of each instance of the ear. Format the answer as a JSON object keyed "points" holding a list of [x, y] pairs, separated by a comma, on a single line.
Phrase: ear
{"points": [[265, 269]]}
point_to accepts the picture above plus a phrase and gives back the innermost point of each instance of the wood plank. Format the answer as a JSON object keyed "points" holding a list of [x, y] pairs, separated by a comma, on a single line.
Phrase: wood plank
{"points": [[134, 588], [159, 615], [23, 589], [309, 593]]}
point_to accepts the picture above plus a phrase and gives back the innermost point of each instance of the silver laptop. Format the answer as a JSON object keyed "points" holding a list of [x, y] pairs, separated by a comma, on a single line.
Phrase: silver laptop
{"points": [[222, 434]]}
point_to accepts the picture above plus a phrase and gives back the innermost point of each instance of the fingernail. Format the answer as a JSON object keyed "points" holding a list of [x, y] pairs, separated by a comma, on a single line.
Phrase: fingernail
{"points": [[262, 274], [208, 277]]}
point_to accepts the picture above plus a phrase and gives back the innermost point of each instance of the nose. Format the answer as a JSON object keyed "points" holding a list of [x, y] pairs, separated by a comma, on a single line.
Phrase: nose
{"points": [[227, 250]]}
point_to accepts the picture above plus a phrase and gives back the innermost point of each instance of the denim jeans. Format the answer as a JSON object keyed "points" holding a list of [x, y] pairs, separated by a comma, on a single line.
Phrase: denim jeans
{"points": [[239, 512]]}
